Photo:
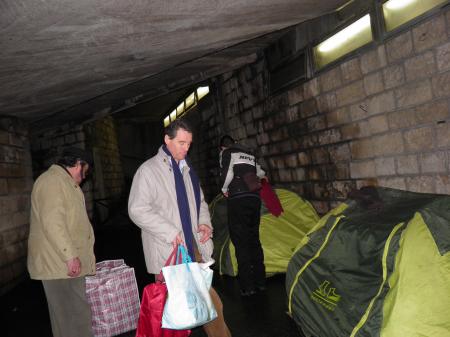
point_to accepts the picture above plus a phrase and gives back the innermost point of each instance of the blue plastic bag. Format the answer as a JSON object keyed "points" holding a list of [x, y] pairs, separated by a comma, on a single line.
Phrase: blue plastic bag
{"points": [[188, 303]]}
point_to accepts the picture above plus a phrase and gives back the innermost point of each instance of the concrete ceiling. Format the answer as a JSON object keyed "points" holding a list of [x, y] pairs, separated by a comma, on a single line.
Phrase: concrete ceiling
{"points": [[64, 60]]}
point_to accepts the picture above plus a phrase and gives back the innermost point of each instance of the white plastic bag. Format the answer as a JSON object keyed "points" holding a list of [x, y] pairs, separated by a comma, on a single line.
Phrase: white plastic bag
{"points": [[188, 303]]}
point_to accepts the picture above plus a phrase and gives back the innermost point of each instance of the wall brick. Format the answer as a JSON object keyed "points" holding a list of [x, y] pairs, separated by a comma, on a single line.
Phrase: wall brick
{"points": [[316, 123], [326, 102], [441, 84], [407, 164], [421, 184], [364, 169], [354, 130], [378, 124], [393, 76], [397, 183], [328, 137], [401, 119], [303, 159], [420, 139], [320, 155], [291, 160], [443, 57], [308, 108], [385, 166], [350, 94], [432, 112], [388, 144], [339, 153], [421, 66], [295, 95], [311, 88], [330, 80], [351, 70], [413, 94], [373, 60], [399, 47], [359, 111], [299, 174], [373, 83], [381, 103], [429, 34], [443, 184], [338, 117], [443, 135], [435, 162], [3, 186]]}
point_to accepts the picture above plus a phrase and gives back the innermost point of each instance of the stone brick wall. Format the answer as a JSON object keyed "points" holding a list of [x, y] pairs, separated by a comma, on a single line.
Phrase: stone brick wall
{"points": [[15, 187], [48, 145], [108, 177], [105, 186], [379, 118]]}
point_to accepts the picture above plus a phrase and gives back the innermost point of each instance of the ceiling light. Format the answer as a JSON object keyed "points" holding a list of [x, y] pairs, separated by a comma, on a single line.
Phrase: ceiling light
{"points": [[345, 34]]}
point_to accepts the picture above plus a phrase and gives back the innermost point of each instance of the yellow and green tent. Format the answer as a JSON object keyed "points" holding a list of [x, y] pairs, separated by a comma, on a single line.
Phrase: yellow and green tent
{"points": [[381, 271]]}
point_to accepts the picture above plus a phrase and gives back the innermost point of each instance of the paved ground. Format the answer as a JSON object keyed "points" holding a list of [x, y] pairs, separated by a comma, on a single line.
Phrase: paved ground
{"points": [[24, 310]]}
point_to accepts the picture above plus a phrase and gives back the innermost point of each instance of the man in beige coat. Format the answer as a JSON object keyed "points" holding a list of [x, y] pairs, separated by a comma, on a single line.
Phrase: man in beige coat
{"points": [[61, 243], [167, 203]]}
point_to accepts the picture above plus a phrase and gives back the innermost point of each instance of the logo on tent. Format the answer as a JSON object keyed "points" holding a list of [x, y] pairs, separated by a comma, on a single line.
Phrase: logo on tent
{"points": [[326, 296]]}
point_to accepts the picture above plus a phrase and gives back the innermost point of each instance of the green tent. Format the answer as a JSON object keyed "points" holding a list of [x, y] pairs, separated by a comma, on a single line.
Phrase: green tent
{"points": [[279, 235], [375, 271]]}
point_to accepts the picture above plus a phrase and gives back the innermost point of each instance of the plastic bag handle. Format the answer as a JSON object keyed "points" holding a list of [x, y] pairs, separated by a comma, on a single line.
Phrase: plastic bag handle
{"points": [[181, 252], [170, 261]]}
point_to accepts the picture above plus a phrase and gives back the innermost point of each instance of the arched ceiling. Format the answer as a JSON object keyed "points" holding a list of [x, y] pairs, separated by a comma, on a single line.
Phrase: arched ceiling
{"points": [[71, 60]]}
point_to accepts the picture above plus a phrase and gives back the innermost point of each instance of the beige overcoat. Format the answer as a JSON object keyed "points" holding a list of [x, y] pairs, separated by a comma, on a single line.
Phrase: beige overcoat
{"points": [[59, 227], [153, 206]]}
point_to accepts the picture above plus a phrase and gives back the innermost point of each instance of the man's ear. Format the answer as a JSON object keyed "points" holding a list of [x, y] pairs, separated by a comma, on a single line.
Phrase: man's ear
{"points": [[166, 139]]}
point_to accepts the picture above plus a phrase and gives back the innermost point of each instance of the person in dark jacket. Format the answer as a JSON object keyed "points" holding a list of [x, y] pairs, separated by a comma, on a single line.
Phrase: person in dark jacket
{"points": [[240, 181]]}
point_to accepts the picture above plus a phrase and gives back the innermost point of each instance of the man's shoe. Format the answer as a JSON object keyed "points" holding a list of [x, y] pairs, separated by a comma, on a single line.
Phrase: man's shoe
{"points": [[247, 293], [261, 288]]}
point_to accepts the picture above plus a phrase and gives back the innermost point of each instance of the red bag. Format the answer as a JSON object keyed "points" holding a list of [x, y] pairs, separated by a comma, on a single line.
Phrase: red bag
{"points": [[270, 198], [152, 307]]}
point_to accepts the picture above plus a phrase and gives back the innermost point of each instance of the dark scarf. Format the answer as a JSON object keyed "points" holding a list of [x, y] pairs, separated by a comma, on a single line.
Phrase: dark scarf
{"points": [[183, 202]]}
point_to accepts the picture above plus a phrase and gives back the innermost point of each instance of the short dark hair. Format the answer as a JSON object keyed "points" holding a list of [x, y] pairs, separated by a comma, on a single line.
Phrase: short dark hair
{"points": [[226, 141], [71, 155], [172, 129]]}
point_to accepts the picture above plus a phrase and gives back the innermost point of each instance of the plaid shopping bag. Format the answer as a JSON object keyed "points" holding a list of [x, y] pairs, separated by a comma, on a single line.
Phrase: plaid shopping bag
{"points": [[114, 298]]}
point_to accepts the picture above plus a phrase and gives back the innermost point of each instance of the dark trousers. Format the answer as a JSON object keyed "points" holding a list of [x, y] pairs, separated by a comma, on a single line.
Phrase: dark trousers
{"points": [[243, 223]]}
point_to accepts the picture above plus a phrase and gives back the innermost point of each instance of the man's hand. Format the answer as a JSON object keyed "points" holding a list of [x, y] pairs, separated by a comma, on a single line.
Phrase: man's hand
{"points": [[225, 194], [206, 233], [177, 241], [73, 267]]}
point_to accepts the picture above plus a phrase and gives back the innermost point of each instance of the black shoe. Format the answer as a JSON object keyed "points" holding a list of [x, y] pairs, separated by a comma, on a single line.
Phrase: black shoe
{"points": [[247, 293], [261, 288]]}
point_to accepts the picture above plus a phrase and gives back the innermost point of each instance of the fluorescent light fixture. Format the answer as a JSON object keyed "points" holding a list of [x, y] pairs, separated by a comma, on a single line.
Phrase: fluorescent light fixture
{"points": [[166, 121], [202, 92], [398, 4], [348, 39], [345, 35], [180, 108], [173, 115], [190, 100], [399, 12]]}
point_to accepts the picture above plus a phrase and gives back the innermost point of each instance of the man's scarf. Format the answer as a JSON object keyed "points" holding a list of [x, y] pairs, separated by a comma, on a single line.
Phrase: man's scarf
{"points": [[183, 202]]}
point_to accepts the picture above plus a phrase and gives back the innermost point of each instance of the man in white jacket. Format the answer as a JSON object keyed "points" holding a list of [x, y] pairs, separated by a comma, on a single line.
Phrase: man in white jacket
{"points": [[167, 203]]}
